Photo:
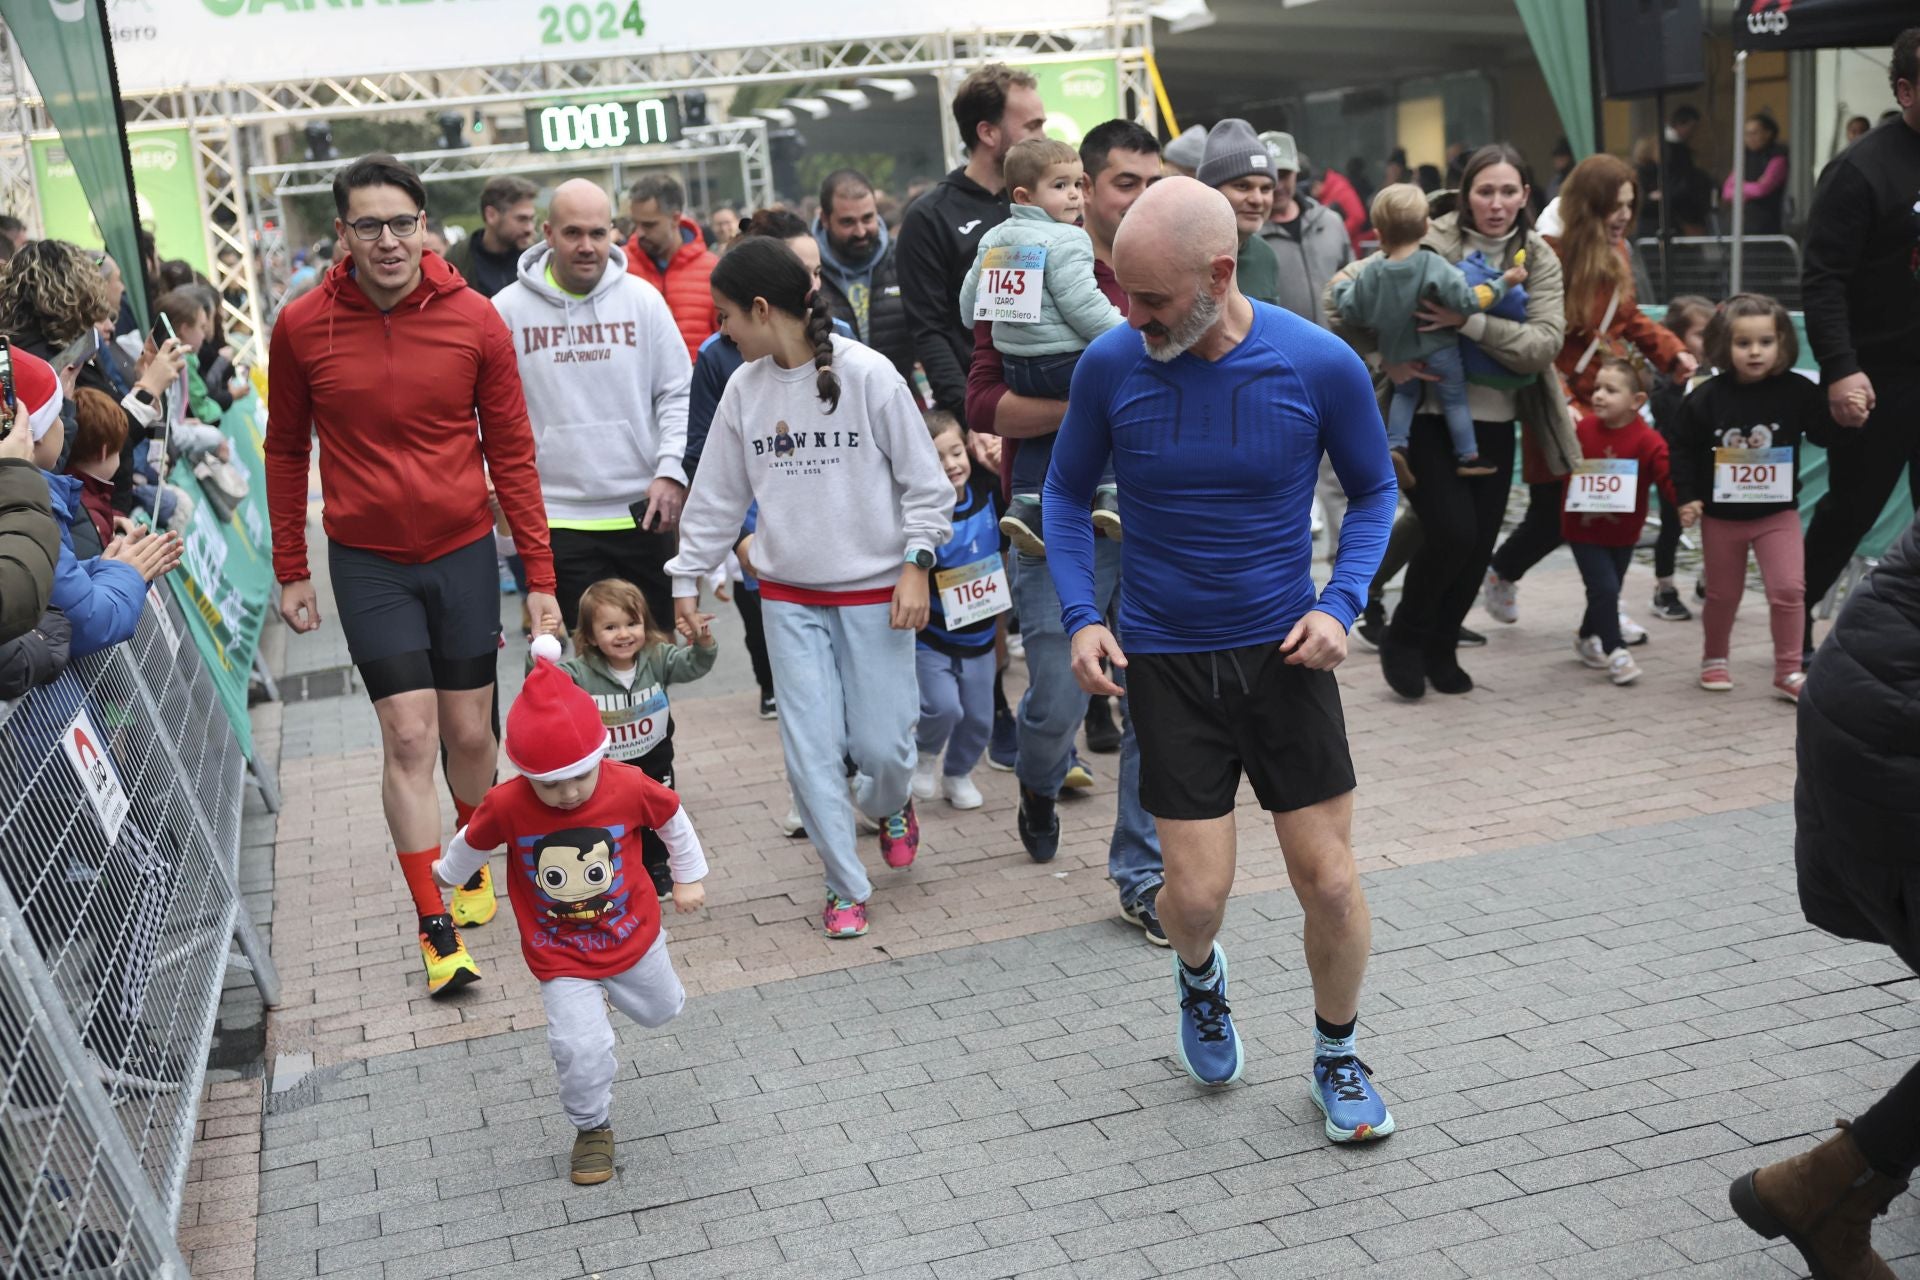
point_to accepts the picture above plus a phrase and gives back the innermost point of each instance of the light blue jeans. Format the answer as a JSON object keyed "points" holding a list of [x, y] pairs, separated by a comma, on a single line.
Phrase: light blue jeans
{"points": [[1452, 390], [846, 685], [956, 707], [1054, 706]]}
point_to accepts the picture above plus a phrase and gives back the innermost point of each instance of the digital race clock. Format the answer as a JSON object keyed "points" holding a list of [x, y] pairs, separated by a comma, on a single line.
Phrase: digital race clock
{"points": [[603, 125]]}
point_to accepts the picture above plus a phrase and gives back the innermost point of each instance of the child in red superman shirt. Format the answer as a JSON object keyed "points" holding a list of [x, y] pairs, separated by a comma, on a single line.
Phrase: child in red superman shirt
{"points": [[1625, 457], [588, 914]]}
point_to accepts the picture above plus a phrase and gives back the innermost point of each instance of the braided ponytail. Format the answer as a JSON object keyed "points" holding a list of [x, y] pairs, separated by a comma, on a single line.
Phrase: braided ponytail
{"points": [[820, 333]]}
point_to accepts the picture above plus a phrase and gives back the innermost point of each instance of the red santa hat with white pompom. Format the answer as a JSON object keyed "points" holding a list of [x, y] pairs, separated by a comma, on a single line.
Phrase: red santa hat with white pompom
{"points": [[554, 730]]}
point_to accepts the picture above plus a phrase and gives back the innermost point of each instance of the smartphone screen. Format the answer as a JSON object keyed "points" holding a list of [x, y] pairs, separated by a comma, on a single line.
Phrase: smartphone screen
{"points": [[8, 404], [81, 350]]}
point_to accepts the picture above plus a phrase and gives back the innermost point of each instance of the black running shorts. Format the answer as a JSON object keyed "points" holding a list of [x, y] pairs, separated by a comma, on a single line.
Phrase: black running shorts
{"points": [[433, 625], [1203, 719]]}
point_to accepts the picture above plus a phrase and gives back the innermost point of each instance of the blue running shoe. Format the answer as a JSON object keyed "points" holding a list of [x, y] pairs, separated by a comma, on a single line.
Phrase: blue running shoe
{"points": [[1343, 1090], [1003, 749], [1209, 1046]]}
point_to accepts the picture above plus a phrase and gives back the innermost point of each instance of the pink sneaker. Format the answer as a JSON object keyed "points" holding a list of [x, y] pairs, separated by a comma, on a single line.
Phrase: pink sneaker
{"points": [[1790, 685], [843, 919], [900, 838], [1715, 676]]}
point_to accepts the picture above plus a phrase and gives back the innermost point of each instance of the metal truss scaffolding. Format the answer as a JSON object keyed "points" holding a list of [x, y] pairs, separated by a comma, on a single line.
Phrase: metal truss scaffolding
{"points": [[227, 121]]}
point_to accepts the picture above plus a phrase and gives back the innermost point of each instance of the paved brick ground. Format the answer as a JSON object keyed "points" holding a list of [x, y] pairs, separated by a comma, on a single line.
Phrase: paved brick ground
{"points": [[1543, 750], [1583, 1041], [1544, 753]]}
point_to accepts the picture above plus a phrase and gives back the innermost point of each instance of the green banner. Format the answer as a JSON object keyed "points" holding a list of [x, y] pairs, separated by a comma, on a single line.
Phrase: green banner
{"points": [[1557, 30], [167, 194], [66, 49], [1079, 95], [225, 579]]}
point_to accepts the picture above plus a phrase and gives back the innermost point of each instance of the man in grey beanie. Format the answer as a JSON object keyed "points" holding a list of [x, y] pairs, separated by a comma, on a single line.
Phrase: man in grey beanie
{"points": [[1238, 166]]}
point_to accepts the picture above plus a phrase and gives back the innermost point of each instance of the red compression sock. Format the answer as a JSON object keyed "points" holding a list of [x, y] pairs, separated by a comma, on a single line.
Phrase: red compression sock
{"points": [[418, 869], [462, 813]]}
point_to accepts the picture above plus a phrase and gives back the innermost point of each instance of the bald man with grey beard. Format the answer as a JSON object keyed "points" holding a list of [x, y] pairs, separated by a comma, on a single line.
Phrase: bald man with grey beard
{"points": [[1215, 410]]}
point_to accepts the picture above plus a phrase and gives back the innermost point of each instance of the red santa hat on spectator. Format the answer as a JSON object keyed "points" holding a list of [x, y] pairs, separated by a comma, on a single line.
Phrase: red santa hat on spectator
{"points": [[36, 391], [554, 730]]}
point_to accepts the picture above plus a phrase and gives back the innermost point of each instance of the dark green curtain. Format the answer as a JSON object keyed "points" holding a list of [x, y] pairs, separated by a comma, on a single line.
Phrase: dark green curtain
{"points": [[1557, 30], [67, 51]]}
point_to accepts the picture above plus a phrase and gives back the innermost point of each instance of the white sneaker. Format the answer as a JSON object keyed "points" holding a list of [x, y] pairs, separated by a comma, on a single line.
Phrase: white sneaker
{"points": [[1631, 632], [1501, 598], [1317, 519], [926, 777], [1621, 668], [1016, 645], [961, 793], [791, 826], [1591, 654]]}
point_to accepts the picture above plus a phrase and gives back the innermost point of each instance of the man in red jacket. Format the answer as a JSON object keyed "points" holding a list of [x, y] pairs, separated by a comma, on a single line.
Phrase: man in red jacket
{"points": [[669, 253], [390, 361]]}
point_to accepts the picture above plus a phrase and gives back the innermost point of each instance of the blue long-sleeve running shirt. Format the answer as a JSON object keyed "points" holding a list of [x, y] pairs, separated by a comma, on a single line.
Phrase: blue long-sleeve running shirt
{"points": [[1216, 464]]}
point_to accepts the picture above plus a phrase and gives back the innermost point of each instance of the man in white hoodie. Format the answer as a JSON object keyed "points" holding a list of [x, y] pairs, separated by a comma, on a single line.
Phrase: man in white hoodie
{"points": [[605, 374]]}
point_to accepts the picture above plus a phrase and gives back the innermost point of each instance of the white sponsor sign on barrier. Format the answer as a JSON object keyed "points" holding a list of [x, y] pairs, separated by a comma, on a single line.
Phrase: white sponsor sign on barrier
{"points": [[87, 753]]}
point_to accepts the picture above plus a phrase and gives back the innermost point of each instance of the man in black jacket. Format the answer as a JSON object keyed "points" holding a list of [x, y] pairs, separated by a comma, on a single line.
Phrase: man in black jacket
{"points": [[1856, 807], [857, 267], [1861, 286], [490, 257], [995, 108]]}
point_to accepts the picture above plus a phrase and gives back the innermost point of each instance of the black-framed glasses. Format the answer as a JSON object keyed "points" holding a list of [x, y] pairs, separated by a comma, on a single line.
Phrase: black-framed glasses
{"points": [[402, 227]]}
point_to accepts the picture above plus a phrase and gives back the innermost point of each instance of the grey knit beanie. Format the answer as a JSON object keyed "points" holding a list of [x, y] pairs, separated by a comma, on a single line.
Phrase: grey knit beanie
{"points": [[1189, 149], [1233, 151]]}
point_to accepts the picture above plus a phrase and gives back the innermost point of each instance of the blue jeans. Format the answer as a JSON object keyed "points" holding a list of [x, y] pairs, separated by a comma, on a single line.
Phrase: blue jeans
{"points": [[1047, 378], [1052, 709], [846, 685], [956, 707], [1603, 569], [1453, 402]]}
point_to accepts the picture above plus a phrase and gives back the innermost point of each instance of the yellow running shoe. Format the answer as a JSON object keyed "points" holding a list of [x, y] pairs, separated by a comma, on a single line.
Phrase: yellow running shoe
{"points": [[449, 966], [473, 902]]}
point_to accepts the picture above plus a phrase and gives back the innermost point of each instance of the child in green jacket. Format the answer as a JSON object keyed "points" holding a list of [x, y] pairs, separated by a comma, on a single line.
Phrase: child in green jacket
{"points": [[625, 662]]}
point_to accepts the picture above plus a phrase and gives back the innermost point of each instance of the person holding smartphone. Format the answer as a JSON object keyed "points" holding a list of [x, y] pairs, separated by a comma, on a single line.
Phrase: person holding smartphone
{"points": [[606, 379]]}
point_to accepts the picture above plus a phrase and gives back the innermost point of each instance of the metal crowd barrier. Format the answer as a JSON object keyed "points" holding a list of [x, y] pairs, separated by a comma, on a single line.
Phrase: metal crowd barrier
{"points": [[1703, 265], [119, 904]]}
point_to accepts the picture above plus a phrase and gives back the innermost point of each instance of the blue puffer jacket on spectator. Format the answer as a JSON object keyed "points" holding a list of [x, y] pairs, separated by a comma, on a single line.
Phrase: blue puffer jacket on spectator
{"points": [[101, 598]]}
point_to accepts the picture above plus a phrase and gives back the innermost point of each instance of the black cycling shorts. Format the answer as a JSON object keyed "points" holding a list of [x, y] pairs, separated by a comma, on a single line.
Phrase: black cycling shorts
{"points": [[433, 625], [1202, 719]]}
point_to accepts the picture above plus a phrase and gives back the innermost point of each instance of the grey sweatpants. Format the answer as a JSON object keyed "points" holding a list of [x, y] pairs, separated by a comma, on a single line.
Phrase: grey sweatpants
{"points": [[581, 1036]]}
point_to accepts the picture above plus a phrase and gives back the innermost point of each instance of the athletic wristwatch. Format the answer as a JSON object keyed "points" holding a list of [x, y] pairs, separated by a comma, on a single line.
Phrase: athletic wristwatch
{"points": [[921, 559], [144, 396]]}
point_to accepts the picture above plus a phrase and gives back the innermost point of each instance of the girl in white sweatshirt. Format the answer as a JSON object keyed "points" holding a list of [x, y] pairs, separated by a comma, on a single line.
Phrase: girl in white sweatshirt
{"points": [[824, 434]]}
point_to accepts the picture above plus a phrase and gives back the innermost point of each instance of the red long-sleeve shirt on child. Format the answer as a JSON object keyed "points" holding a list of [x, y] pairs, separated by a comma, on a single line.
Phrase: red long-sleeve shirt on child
{"points": [[1636, 441], [585, 905]]}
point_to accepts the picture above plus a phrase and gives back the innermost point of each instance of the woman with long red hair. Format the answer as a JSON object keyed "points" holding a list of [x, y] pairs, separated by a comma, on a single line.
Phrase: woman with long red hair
{"points": [[1599, 203]]}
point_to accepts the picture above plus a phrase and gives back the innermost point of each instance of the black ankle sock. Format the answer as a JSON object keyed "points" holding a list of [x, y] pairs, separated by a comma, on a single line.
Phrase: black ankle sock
{"points": [[1335, 1031], [1200, 972]]}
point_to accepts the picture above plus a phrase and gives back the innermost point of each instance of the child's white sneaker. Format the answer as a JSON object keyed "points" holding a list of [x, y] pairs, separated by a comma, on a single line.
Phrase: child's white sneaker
{"points": [[1621, 668], [961, 793], [1591, 654], [926, 777]]}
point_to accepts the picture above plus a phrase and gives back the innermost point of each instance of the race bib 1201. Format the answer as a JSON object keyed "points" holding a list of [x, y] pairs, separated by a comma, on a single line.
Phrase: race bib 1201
{"points": [[1012, 282], [1604, 486], [1753, 475], [974, 591]]}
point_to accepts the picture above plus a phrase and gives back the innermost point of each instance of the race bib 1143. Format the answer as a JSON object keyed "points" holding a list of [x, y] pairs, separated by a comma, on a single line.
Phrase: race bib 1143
{"points": [[1012, 283]]}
